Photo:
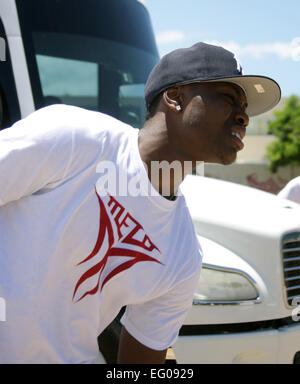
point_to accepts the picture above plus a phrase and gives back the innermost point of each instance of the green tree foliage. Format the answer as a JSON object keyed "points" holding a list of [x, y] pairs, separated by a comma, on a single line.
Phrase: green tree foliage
{"points": [[285, 151]]}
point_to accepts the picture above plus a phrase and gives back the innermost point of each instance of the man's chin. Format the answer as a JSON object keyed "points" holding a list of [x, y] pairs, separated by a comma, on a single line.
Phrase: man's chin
{"points": [[223, 158], [227, 159]]}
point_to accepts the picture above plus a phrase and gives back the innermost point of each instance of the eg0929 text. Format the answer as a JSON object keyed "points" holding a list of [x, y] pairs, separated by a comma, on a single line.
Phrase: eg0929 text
{"points": [[169, 373]]}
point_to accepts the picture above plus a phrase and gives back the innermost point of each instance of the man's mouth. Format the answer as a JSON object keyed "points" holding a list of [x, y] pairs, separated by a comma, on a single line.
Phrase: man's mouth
{"points": [[238, 139]]}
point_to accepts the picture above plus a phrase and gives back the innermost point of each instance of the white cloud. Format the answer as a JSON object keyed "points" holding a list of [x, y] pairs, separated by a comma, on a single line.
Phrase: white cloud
{"points": [[284, 50], [166, 37]]}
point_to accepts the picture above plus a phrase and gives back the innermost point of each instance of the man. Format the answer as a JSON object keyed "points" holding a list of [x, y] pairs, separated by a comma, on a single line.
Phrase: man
{"points": [[74, 251]]}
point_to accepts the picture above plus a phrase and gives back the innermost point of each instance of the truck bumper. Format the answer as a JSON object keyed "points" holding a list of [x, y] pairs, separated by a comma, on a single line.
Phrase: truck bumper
{"points": [[275, 346]]}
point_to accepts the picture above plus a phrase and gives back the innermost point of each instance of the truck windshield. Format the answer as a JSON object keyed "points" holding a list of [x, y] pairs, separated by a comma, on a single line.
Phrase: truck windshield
{"points": [[95, 54]]}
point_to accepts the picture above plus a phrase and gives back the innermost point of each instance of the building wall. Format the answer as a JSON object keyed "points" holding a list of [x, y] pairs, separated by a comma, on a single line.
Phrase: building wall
{"points": [[253, 174]]}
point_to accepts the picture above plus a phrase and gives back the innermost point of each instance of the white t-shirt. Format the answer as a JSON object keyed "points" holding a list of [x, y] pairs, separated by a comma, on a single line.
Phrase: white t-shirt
{"points": [[70, 256], [291, 191]]}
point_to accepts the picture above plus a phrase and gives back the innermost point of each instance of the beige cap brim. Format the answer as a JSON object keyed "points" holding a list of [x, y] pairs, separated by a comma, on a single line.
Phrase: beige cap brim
{"points": [[262, 93]]}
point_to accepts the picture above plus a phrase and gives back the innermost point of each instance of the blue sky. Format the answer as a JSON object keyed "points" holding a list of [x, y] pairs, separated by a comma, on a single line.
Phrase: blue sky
{"points": [[264, 34]]}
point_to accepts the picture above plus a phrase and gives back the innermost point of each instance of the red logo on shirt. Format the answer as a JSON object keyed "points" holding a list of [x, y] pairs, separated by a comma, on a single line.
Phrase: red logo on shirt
{"points": [[129, 232]]}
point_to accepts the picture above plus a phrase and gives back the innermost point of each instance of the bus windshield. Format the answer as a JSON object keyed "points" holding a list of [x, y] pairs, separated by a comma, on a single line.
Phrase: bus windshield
{"points": [[96, 54]]}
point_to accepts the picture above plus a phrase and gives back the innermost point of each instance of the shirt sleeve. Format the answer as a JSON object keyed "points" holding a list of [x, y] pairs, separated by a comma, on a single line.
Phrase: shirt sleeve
{"points": [[33, 153], [156, 323], [49, 147]]}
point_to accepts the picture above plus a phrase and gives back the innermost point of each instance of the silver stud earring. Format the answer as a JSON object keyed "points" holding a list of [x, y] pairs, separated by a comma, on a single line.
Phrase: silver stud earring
{"points": [[178, 107]]}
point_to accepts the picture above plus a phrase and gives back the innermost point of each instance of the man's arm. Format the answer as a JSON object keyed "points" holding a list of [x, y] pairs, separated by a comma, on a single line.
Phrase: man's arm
{"points": [[156, 323], [34, 152], [133, 352]]}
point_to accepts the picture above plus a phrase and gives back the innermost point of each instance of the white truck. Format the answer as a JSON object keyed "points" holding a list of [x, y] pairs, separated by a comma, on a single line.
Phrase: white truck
{"points": [[97, 55], [247, 305]]}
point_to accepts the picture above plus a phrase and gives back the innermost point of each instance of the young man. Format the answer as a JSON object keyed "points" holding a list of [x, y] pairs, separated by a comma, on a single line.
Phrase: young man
{"points": [[73, 252]]}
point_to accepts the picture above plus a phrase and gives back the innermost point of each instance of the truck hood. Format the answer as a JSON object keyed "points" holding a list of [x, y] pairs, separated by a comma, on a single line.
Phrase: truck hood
{"points": [[232, 205], [245, 226]]}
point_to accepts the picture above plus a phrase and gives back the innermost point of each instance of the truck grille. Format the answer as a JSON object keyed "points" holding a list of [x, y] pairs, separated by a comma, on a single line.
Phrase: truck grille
{"points": [[291, 266]]}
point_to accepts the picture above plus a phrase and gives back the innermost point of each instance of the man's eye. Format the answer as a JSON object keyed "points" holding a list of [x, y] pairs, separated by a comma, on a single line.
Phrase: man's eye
{"points": [[230, 98]]}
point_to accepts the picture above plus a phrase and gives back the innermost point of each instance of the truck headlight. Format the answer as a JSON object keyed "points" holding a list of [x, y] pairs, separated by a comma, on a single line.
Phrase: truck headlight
{"points": [[224, 286]]}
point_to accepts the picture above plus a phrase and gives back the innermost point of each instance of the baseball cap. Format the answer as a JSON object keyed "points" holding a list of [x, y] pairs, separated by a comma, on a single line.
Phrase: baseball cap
{"points": [[209, 63]]}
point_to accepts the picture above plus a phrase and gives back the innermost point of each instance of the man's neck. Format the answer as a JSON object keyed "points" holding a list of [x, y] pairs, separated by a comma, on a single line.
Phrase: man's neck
{"points": [[165, 170]]}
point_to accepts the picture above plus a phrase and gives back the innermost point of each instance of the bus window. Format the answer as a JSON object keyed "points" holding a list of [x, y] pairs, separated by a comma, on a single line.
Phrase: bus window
{"points": [[92, 54]]}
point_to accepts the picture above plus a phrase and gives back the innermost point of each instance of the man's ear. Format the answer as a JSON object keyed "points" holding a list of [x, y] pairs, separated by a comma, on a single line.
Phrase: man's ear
{"points": [[173, 99]]}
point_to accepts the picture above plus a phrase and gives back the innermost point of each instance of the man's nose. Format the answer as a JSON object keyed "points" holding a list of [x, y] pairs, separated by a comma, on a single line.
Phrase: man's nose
{"points": [[242, 118]]}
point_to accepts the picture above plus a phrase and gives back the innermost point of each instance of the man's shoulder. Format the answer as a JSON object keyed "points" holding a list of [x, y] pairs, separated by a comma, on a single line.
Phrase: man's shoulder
{"points": [[295, 182], [292, 185], [76, 115], [68, 120]]}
